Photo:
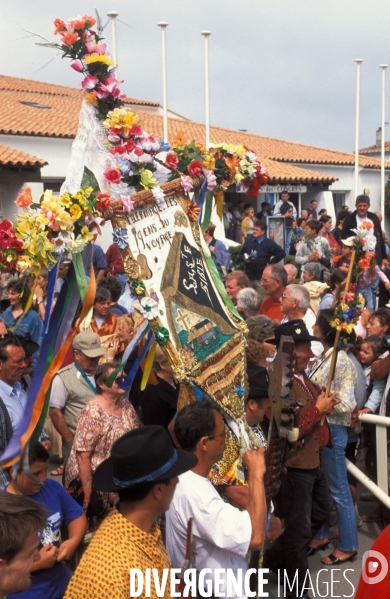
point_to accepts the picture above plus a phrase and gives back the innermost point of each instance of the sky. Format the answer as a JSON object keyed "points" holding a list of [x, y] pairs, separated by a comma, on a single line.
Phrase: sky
{"points": [[280, 68]]}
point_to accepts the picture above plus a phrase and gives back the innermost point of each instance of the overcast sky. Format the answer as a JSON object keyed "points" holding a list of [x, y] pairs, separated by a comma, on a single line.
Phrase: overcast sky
{"points": [[282, 68]]}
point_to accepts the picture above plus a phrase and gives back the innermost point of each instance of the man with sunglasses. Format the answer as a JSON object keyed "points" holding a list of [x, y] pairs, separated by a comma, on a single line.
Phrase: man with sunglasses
{"points": [[222, 533]]}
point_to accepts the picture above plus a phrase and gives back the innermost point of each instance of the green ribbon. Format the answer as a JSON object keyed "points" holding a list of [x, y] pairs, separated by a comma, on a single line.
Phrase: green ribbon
{"points": [[112, 377], [217, 279], [81, 277], [207, 211]]}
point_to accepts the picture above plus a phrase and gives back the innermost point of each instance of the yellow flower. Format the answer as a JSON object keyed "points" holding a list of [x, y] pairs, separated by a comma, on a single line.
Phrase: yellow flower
{"points": [[209, 163], [121, 119], [240, 150], [91, 98], [65, 200], [92, 58], [344, 306], [360, 299], [41, 222], [64, 220], [86, 234], [147, 179], [23, 264], [238, 177], [75, 212]]}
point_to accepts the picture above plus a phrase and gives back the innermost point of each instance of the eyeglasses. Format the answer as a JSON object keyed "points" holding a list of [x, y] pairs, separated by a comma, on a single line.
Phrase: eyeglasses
{"points": [[284, 296], [224, 434]]}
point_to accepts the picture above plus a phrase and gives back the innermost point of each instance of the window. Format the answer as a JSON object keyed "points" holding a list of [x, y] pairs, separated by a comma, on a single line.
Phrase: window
{"points": [[338, 200]]}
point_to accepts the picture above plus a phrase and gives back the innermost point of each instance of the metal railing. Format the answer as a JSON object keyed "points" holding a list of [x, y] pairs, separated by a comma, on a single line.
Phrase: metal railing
{"points": [[381, 490]]}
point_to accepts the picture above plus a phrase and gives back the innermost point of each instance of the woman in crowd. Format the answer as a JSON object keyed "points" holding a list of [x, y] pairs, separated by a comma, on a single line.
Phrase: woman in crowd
{"points": [[379, 323], [334, 458], [314, 248], [103, 323], [336, 278], [339, 225], [326, 233], [261, 328], [247, 223], [40, 296], [25, 324], [105, 418], [49, 575], [248, 302]]}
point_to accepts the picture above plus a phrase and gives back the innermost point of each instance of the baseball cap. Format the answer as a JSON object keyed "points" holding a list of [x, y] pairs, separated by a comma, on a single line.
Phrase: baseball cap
{"points": [[89, 344]]}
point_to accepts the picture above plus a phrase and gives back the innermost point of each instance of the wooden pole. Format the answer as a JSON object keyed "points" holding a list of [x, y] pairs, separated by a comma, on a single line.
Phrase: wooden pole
{"points": [[338, 333]]}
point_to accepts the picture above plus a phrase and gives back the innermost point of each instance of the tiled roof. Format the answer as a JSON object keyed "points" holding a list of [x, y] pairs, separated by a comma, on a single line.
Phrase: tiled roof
{"points": [[42, 109], [375, 149], [51, 89], [12, 157]]}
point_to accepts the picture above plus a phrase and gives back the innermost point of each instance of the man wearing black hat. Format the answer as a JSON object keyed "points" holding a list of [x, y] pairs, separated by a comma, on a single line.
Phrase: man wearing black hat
{"points": [[143, 469], [304, 494], [222, 533]]}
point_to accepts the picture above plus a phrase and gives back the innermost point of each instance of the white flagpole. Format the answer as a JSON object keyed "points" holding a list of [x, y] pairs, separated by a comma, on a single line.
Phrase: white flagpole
{"points": [[113, 15], [358, 63], [206, 35], [163, 25], [383, 131]]}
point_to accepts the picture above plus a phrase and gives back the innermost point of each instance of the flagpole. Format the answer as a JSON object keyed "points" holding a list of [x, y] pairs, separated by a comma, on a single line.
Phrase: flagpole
{"points": [[383, 67], [113, 15], [206, 35], [358, 63], [163, 25]]}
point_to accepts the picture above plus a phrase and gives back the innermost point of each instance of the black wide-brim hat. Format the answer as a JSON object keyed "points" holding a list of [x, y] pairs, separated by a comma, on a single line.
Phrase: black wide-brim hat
{"points": [[258, 381], [143, 455], [295, 329]]}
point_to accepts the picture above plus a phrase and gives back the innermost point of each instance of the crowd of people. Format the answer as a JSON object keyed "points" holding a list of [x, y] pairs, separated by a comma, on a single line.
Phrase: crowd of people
{"points": [[120, 453]]}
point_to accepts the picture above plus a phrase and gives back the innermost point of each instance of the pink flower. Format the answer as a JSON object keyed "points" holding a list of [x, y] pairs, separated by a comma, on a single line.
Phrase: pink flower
{"points": [[89, 82], [78, 66], [211, 179], [195, 168], [186, 183], [111, 84], [112, 175], [97, 48], [135, 130], [127, 203], [171, 160]]}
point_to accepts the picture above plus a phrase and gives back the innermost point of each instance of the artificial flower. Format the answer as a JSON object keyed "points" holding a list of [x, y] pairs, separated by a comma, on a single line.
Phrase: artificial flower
{"points": [[164, 146], [59, 26], [104, 202], [149, 308], [193, 211], [195, 168], [76, 246], [77, 65], [147, 179], [363, 264], [93, 58], [86, 234], [158, 194], [211, 179], [68, 38], [112, 175], [24, 199], [171, 160], [209, 162], [75, 211], [23, 264], [127, 203], [162, 335], [92, 99], [138, 288], [89, 82], [120, 237], [186, 183], [97, 48]]}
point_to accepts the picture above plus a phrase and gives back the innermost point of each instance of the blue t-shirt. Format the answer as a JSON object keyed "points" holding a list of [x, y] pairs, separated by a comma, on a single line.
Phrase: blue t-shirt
{"points": [[52, 582]]}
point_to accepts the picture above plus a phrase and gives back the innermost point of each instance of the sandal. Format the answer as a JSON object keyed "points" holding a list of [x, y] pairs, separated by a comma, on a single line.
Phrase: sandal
{"points": [[58, 471], [335, 561]]}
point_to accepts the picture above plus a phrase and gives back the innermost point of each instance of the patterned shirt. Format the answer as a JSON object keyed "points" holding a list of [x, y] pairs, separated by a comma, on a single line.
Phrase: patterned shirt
{"points": [[343, 385], [96, 432], [118, 546]]}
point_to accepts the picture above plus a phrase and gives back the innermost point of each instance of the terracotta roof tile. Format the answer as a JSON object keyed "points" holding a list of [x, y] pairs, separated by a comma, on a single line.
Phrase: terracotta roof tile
{"points": [[375, 148], [11, 157], [51, 89]]}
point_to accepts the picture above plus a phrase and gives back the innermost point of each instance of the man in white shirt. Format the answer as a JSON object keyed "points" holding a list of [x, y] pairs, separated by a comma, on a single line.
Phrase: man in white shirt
{"points": [[223, 534], [12, 366]]}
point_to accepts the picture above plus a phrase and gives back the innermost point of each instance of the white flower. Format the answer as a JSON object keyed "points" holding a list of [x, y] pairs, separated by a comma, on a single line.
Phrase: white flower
{"points": [[149, 308], [159, 195], [76, 245]]}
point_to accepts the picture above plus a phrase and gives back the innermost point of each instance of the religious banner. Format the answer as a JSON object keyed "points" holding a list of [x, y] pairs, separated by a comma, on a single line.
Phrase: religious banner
{"points": [[164, 259]]}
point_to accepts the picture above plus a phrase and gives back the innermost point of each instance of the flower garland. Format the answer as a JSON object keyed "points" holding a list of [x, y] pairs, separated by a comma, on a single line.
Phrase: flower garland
{"points": [[47, 229]]}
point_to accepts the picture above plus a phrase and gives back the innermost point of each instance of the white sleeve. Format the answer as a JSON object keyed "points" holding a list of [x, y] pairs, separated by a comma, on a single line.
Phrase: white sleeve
{"points": [[221, 524], [277, 209], [59, 393]]}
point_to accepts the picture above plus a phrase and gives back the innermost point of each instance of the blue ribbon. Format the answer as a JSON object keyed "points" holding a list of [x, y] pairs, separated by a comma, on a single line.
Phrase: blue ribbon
{"points": [[50, 296], [148, 477], [133, 371], [200, 197]]}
